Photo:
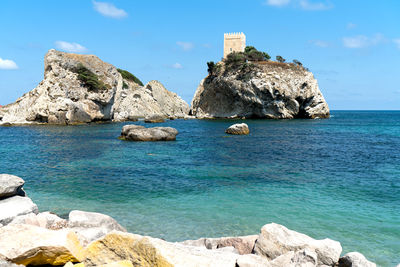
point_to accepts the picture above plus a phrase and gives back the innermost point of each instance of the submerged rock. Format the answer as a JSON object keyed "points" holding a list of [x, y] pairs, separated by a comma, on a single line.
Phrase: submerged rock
{"points": [[82, 88], [140, 133], [10, 185], [276, 240], [272, 90], [355, 259], [238, 129]]}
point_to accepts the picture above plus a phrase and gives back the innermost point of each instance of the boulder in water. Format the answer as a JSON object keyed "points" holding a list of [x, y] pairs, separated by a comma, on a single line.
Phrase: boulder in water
{"points": [[238, 129], [140, 133]]}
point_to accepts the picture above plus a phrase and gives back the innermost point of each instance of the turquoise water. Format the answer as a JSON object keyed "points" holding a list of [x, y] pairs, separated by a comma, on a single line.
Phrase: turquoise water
{"points": [[336, 178]]}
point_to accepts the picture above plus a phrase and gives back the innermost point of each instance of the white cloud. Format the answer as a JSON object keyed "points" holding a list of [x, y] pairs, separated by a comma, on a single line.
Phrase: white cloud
{"points": [[109, 10], [320, 43], [185, 45], [70, 47], [278, 3], [307, 5], [351, 26], [7, 64], [361, 41], [177, 66], [397, 42]]}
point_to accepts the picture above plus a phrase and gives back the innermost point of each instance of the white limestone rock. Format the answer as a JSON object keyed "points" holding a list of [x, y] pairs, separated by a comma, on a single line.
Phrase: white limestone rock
{"points": [[238, 129], [140, 133], [301, 258], [61, 98], [44, 219], [276, 240], [15, 206], [272, 91], [355, 259], [252, 260], [10, 185]]}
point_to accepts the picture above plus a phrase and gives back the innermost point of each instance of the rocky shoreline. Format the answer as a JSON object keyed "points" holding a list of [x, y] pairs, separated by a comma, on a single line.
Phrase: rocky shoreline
{"points": [[28, 237]]}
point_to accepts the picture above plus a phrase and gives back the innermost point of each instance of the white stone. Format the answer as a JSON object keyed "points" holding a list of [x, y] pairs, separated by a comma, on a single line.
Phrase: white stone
{"points": [[15, 206], [10, 185], [355, 259]]}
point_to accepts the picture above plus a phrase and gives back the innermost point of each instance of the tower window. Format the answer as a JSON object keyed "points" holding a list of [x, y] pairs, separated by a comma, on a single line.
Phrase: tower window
{"points": [[231, 49]]}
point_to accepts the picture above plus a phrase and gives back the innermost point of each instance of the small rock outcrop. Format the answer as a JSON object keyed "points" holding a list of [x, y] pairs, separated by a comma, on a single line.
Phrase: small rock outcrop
{"points": [[268, 90], [82, 88], [238, 129], [10, 185], [154, 119], [140, 133]]}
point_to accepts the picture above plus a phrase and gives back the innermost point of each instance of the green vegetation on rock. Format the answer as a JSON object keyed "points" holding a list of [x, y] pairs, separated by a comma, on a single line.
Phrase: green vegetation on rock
{"points": [[89, 79], [129, 76]]}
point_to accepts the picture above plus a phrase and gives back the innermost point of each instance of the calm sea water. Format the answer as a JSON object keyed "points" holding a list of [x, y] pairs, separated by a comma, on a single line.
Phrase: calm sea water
{"points": [[336, 178]]}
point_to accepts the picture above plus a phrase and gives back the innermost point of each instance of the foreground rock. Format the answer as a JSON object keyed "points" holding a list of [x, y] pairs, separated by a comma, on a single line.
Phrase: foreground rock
{"points": [[271, 90], [10, 185], [67, 96], [238, 129], [12, 207], [140, 133], [28, 244], [276, 240], [44, 219], [355, 259]]}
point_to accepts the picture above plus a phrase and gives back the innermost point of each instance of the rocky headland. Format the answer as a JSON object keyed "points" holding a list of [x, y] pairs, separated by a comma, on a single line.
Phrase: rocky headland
{"points": [[237, 88], [82, 88], [28, 237]]}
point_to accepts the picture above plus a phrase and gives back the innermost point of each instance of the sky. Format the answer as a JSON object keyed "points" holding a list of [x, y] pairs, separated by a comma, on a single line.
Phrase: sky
{"points": [[351, 46]]}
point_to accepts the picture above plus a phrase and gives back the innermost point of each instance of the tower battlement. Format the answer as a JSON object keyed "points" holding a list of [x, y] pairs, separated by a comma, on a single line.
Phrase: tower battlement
{"points": [[234, 42]]}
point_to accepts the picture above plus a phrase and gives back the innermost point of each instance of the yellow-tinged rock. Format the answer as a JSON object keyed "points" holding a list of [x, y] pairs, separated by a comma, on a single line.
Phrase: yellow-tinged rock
{"points": [[28, 244], [118, 264], [69, 264], [119, 246]]}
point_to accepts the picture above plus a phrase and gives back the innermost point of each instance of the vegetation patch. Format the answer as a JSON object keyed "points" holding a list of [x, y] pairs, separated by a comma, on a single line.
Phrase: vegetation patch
{"points": [[129, 76], [89, 79]]}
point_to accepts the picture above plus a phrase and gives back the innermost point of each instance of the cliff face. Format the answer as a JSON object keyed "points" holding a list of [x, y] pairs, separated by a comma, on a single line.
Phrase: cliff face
{"points": [[269, 90], [68, 94]]}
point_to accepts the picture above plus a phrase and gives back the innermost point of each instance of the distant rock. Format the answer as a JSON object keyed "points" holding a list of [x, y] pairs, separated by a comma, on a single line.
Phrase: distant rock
{"points": [[10, 185], [276, 240], [67, 96], [270, 90], [355, 259], [238, 129], [140, 133], [154, 119], [15, 206]]}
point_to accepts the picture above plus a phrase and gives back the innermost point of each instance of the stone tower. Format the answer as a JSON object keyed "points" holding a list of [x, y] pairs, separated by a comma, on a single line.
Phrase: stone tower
{"points": [[234, 42]]}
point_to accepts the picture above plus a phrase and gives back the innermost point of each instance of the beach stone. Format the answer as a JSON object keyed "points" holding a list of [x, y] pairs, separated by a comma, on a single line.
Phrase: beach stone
{"points": [[301, 258], [276, 240], [10, 185], [44, 219], [15, 206], [243, 244], [92, 225], [29, 244], [140, 133], [238, 129], [252, 260], [154, 119], [355, 259]]}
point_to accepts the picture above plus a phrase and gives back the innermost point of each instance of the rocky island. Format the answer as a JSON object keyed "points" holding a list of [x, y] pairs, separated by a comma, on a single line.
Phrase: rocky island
{"points": [[247, 85], [82, 88]]}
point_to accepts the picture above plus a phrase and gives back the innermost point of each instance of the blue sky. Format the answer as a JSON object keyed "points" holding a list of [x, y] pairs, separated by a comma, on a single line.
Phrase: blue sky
{"points": [[352, 46]]}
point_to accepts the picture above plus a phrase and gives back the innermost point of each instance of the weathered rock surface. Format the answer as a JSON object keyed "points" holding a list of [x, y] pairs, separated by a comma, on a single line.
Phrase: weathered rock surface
{"points": [[238, 129], [91, 225], [10, 185], [15, 206], [44, 219], [154, 119], [276, 240], [252, 260], [301, 258], [28, 244], [243, 244], [61, 98], [355, 259], [273, 91], [140, 133]]}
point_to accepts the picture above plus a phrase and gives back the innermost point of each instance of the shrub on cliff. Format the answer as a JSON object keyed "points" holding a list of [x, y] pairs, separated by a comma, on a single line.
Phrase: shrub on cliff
{"points": [[253, 54], [129, 76], [89, 79], [280, 59], [235, 60]]}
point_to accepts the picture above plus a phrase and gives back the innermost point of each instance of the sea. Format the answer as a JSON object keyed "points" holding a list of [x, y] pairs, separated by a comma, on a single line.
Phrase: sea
{"points": [[335, 178]]}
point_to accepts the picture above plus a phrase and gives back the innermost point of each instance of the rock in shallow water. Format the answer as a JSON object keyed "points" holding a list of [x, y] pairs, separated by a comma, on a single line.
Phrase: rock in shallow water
{"points": [[238, 129], [355, 259], [140, 133], [10, 185]]}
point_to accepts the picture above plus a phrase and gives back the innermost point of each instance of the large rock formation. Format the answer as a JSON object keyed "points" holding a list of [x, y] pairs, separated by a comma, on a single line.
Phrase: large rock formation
{"points": [[82, 88], [259, 90]]}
